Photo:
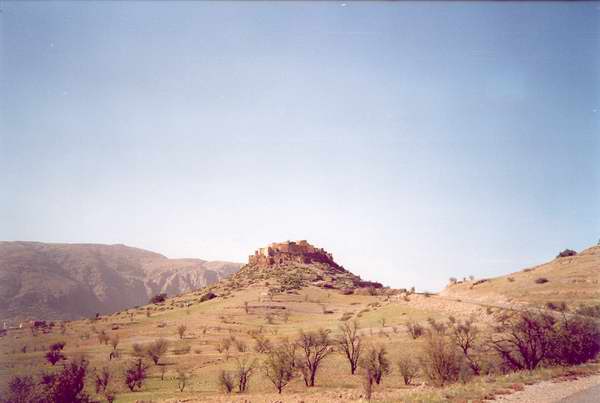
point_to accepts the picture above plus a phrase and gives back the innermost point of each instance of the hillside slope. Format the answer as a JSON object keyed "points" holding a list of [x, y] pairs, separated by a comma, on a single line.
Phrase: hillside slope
{"points": [[572, 279], [69, 281]]}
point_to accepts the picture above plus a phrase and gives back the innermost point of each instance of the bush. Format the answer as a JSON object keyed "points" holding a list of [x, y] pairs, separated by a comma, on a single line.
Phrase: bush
{"points": [[589, 310], [261, 343], [566, 253], [408, 368], [55, 353], [208, 296], [376, 363], [441, 362], [226, 381], [414, 329], [560, 306], [575, 341], [135, 374], [157, 299], [541, 280], [102, 380]]}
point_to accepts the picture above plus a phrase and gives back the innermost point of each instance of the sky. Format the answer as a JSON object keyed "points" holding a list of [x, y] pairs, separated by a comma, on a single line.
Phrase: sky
{"points": [[414, 141]]}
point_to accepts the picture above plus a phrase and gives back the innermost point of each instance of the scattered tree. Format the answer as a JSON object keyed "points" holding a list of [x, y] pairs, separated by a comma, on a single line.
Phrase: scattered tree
{"points": [[181, 331], [441, 362], [182, 378], [314, 347], [157, 299], [350, 344], [245, 369], [280, 367], [157, 349], [376, 363]]}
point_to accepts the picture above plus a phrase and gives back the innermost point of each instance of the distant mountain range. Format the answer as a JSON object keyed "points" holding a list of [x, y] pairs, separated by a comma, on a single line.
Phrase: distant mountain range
{"points": [[68, 281]]}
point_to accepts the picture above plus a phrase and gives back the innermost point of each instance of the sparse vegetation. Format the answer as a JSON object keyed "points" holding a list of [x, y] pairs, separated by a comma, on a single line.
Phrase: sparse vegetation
{"points": [[408, 368], [157, 299], [376, 363]]}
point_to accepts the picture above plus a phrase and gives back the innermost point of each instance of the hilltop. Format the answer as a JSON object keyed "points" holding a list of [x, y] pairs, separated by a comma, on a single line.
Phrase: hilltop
{"points": [[572, 278], [70, 281]]}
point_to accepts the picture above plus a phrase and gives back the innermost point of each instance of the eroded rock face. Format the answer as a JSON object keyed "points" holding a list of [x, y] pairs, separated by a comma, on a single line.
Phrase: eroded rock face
{"points": [[290, 252]]}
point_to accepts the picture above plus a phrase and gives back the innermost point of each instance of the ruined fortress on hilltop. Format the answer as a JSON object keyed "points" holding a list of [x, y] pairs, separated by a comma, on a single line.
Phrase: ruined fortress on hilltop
{"points": [[290, 252]]}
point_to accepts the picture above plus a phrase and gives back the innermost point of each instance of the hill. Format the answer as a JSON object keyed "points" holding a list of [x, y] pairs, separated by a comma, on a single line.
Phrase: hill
{"points": [[573, 279], [283, 289], [70, 281]]}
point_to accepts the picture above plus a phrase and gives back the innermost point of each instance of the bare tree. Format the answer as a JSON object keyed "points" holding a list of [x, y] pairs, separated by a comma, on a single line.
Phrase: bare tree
{"points": [[465, 335], [182, 378], [349, 343], [314, 347], [114, 341], [157, 349], [245, 369]]}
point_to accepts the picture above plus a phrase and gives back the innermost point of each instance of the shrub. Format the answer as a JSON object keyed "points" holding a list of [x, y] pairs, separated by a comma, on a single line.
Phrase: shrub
{"points": [[261, 343], [541, 280], [55, 353], [589, 310], [157, 299], [208, 296], [560, 306], [376, 363], [135, 374], [441, 362], [240, 345], [67, 385], [408, 368], [566, 253], [22, 389], [414, 329], [523, 339], [102, 380], [575, 341], [138, 350], [226, 381], [103, 338], [314, 347], [349, 343]]}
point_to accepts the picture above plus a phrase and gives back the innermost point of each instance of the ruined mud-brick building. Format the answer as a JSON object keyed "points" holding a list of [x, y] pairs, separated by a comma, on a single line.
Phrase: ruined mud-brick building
{"points": [[290, 252]]}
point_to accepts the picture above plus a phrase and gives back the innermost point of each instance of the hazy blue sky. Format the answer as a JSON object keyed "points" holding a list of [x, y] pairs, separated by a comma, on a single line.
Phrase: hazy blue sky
{"points": [[415, 141]]}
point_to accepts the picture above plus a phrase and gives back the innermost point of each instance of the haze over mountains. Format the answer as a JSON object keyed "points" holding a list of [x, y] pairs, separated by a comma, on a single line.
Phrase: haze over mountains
{"points": [[70, 281]]}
